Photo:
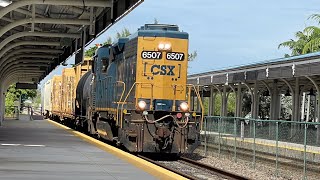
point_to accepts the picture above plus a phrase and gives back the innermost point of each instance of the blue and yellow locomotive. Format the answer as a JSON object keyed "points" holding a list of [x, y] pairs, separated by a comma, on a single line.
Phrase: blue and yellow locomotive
{"points": [[138, 95]]}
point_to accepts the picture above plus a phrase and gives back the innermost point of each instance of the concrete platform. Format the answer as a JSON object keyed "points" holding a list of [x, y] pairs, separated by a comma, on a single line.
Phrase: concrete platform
{"points": [[40, 150]]}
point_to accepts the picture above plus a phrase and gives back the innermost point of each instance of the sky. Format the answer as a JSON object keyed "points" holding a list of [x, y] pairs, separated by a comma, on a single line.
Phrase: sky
{"points": [[225, 33]]}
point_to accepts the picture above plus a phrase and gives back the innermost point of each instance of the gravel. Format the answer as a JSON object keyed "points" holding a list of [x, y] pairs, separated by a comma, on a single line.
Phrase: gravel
{"points": [[243, 167], [192, 171]]}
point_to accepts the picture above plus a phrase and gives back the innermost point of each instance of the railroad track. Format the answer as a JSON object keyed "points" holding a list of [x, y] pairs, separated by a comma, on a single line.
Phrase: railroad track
{"points": [[268, 158], [191, 169]]}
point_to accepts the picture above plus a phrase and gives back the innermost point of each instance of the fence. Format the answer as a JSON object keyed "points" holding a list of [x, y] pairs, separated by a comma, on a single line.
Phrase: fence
{"points": [[22, 113], [254, 139]]}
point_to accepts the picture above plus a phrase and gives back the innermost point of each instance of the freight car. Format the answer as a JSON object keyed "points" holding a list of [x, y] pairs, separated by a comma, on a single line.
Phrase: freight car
{"points": [[47, 104], [56, 97], [60, 91], [137, 94]]}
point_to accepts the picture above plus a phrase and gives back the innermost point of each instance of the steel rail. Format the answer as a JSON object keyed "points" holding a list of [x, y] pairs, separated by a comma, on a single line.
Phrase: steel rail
{"points": [[168, 168], [219, 172]]}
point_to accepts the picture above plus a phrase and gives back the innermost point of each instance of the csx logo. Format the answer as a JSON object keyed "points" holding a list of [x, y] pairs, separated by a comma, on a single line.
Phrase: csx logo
{"points": [[164, 70]]}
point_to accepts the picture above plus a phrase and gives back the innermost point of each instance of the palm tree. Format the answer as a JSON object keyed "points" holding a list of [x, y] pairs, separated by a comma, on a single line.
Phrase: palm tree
{"points": [[313, 45], [308, 40], [297, 46]]}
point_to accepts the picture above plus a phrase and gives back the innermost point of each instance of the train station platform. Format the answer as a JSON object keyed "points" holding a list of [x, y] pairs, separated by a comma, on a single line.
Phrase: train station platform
{"points": [[40, 150]]}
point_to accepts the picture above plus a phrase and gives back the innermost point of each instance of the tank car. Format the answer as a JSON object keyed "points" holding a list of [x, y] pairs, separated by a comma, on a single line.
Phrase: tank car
{"points": [[138, 94]]}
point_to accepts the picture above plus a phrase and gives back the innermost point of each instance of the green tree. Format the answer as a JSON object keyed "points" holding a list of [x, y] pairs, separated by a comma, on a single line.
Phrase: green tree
{"points": [[91, 51], [109, 41], [192, 56], [307, 41], [296, 46], [313, 44], [14, 94], [124, 33]]}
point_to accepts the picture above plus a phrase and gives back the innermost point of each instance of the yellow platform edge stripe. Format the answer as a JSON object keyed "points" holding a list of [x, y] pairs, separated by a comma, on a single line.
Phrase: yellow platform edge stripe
{"points": [[273, 145], [146, 166]]}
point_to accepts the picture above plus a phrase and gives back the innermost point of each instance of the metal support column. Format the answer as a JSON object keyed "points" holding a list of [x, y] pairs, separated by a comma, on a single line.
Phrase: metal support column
{"points": [[308, 108], [318, 118], [255, 101], [239, 101], [211, 102], [303, 106], [275, 102], [297, 102], [2, 103], [224, 102]]}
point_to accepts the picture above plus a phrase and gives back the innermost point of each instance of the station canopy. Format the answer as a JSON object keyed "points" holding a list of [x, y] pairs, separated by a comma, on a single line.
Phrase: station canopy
{"points": [[38, 35]]}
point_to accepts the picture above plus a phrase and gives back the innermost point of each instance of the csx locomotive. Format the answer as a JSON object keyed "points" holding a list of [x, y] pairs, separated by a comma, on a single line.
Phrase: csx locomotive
{"points": [[136, 93]]}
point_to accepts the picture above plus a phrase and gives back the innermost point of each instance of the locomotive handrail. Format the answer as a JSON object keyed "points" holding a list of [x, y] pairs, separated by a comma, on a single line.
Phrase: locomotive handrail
{"points": [[175, 96], [134, 84], [124, 89], [200, 100]]}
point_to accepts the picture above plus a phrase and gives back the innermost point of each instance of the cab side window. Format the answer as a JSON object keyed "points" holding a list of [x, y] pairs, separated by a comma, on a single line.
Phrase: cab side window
{"points": [[105, 64]]}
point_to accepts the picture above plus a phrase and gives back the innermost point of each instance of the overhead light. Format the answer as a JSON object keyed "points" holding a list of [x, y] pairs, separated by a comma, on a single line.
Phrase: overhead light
{"points": [[4, 3], [311, 93], [287, 93], [266, 93]]}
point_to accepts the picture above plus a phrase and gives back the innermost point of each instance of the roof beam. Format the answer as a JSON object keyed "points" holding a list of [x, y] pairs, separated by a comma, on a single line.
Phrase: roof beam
{"points": [[40, 34], [17, 77], [15, 5], [21, 72], [16, 67], [26, 50], [26, 12], [22, 43], [25, 61], [20, 22], [11, 20]]}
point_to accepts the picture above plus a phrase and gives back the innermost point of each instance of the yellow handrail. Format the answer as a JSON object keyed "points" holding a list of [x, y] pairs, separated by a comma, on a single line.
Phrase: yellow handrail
{"points": [[201, 104], [124, 89], [133, 85]]}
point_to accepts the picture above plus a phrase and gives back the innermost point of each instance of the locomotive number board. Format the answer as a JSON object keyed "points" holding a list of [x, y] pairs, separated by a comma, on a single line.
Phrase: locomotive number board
{"points": [[175, 56], [151, 55]]}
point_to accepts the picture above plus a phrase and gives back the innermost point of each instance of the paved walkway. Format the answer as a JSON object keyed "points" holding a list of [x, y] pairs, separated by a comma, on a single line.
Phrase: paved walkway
{"points": [[31, 150]]}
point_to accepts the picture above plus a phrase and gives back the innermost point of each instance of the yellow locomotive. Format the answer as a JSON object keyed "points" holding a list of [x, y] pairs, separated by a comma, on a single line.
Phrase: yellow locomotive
{"points": [[136, 93], [139, 96]]}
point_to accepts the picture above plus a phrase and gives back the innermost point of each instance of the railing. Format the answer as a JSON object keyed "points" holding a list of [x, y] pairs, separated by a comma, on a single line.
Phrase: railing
{"points": [[21, 113], [123, 101], [282, 139]]}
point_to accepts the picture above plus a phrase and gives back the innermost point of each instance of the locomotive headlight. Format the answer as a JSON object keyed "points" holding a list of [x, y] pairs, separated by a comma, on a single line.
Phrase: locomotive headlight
{"points": [[164, 46], [184, 107], [161, 46], [167, 46], [142, 105]]}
